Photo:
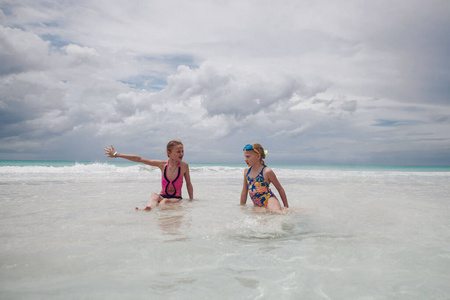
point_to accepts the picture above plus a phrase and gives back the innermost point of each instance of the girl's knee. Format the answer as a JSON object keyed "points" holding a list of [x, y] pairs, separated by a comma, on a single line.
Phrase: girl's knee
{"points": [[155, 199], [155, 196]]}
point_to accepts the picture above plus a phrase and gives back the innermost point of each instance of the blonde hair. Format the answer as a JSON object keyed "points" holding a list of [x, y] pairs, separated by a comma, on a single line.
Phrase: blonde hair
{"points": [[172, 144], [260, 149]]}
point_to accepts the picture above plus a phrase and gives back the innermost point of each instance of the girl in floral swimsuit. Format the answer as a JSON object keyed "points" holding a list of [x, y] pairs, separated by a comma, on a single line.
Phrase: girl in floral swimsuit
{"points": [[257, 178]]}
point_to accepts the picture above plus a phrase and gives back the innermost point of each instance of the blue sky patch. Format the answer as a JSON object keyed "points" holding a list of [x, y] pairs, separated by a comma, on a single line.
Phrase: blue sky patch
{"points": [[394, 123]]}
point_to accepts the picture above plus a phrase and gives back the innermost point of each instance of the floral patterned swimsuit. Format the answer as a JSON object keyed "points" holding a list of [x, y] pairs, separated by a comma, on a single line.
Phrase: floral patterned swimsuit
{"points": [[259, 189]]}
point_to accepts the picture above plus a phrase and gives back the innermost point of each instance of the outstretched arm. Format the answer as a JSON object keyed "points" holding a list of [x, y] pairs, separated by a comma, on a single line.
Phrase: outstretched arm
{"points": [[111, 152], [273, 179]]}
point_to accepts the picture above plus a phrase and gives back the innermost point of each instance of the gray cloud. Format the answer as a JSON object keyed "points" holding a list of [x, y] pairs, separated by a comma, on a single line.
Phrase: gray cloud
{"points": [[21, 51], [314, 81], [232, 91]]}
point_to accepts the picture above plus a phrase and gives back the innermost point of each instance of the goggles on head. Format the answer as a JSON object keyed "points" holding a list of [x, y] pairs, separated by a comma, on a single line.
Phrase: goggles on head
{"points": [[249, 147]]}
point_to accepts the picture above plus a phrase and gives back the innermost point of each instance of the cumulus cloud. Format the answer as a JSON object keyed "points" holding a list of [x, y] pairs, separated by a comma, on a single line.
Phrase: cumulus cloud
{"points": [[314, 81], [232, 91], [21, 51], [80, 55]]}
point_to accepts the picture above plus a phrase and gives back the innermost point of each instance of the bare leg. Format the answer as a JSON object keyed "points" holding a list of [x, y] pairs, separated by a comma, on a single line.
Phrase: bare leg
{"points": [[169, 200], [258, 209], [153, 202], [273, 205]]}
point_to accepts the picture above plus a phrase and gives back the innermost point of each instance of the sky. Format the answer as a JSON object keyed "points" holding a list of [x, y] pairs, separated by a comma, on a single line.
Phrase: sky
{"points": [[314, 82]]}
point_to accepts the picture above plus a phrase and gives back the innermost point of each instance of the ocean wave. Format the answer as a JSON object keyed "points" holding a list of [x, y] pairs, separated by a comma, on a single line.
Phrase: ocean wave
{"points": [[198, 170], [76, 168], [223, 171], [108, 168]]}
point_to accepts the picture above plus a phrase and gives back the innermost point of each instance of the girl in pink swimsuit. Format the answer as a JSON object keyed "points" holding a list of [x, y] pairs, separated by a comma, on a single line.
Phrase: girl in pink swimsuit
{"points": [[257, 179], [172, 173], [171, 188]]}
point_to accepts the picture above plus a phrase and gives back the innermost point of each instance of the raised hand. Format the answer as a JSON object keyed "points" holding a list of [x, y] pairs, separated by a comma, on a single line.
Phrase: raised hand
{"points": [[109, 151]]}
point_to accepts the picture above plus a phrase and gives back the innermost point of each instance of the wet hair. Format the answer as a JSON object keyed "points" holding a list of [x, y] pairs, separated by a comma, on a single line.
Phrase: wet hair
{"points": [[260, 149], [172, 144]]}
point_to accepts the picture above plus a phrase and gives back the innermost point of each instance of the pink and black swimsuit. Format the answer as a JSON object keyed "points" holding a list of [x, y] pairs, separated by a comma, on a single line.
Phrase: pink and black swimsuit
{"points": [[174, 185]]}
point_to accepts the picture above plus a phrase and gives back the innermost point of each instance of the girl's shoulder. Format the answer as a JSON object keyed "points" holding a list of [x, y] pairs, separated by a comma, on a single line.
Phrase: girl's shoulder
{"points": [[267, 170]]}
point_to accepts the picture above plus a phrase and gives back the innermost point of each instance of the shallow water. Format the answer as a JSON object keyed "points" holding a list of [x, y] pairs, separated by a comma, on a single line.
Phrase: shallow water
{"points": [[72, 233]]}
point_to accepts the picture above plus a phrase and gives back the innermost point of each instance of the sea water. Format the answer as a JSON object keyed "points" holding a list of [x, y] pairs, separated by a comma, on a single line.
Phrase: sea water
{"points": [[70, 231]]}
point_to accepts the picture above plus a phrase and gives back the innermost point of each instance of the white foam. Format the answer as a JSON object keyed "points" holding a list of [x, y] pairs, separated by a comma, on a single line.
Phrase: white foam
{"points": [[73, 169]]}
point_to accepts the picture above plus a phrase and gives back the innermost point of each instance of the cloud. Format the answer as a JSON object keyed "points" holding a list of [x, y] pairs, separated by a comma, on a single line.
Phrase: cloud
{"points": [[315, 81], [46, 93], [21, 51], [232, 91], [81, 55]]}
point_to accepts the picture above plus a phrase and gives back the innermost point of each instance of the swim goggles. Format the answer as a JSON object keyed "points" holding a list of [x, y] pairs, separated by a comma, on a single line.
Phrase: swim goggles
{"points": [[249, 147]]}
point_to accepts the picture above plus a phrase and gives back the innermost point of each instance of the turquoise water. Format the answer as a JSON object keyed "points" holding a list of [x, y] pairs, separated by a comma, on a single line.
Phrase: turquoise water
{"points": [[45, 163]]}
